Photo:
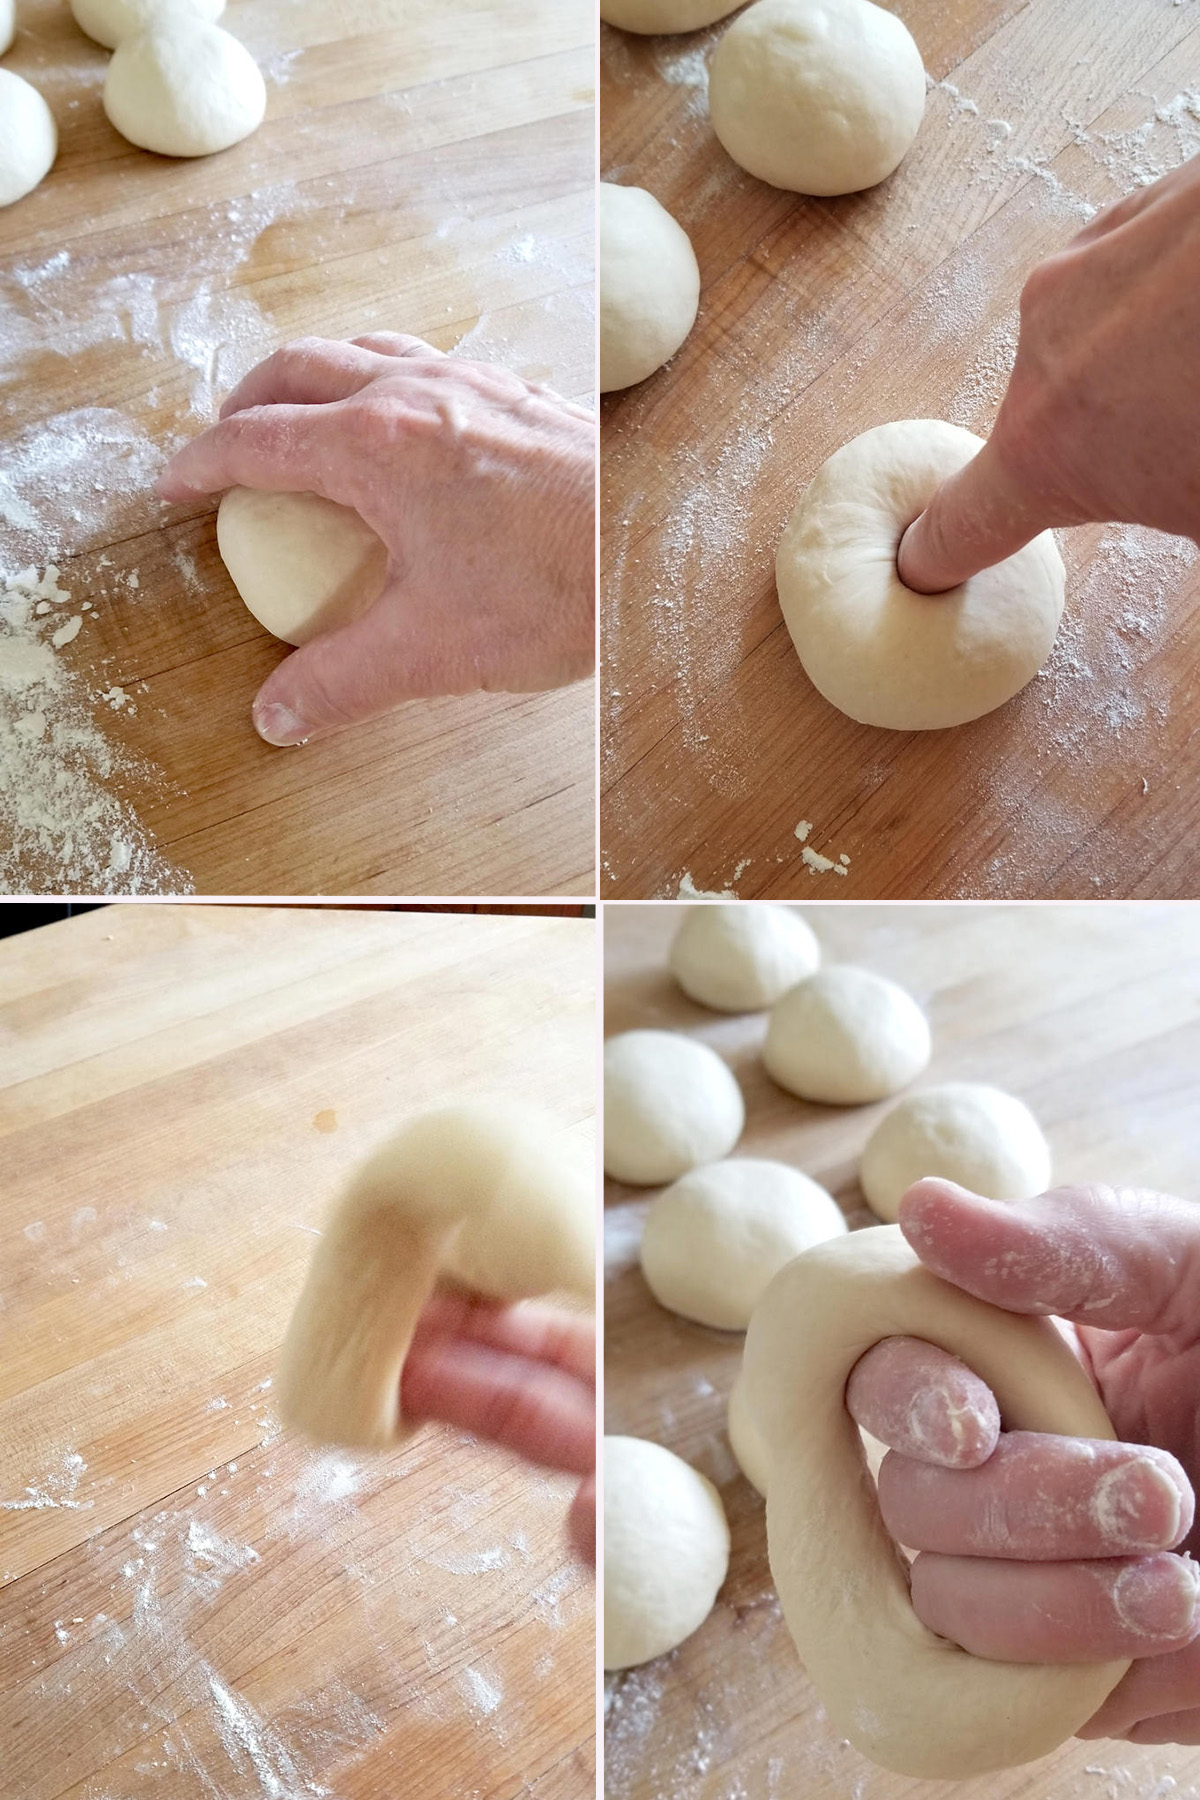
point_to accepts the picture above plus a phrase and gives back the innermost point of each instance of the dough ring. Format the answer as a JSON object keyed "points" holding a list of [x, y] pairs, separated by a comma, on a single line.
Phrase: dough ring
{"points": [[487, 1196], [908, 1699]]}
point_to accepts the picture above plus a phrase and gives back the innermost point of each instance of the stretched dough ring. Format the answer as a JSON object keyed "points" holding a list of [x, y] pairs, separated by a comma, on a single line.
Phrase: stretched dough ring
{"points": [[484, 1196], [908, 1699]]}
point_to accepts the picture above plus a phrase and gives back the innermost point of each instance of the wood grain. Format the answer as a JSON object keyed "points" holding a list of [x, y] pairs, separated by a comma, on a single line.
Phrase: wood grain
{"points": [[200, 1606], [1092, 1015], [819, 319]]}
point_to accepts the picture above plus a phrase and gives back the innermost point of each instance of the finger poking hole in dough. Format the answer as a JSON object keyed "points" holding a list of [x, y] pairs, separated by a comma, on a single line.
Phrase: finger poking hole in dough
{"points": [[649, 285], [737, 958], [967, 1132], [184, 87], [302, 564], [846, 1036], [670, 1104], [666, 1550]]}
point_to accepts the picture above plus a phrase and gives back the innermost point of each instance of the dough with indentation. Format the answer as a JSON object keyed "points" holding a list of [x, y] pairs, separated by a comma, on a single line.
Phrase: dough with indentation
{"points": [[302, 564]]}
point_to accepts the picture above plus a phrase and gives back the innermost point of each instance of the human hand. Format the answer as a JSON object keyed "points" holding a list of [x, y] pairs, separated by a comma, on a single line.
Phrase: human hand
{"points": [[520, 1376], [1037, 1548], [1099, 420], [480, 485]]}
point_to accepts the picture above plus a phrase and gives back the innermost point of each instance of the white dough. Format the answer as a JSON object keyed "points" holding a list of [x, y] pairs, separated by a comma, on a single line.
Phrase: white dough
{"points": [[846, 1036], [666, 1550], [302, 564], [714, 1239], [741, 957], [28, 138], [877, 650], [669, 1105], [978, 1136], [665, 15], [744, 1438], [8, 24], [820, 96], [109, 22], [184, 88], [649, 285]]}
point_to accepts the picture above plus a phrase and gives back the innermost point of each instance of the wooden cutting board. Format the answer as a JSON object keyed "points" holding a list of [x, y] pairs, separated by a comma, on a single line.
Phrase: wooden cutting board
{"points": [[822, 318], [191, 1604], [421, 168], [1092, 1015]]}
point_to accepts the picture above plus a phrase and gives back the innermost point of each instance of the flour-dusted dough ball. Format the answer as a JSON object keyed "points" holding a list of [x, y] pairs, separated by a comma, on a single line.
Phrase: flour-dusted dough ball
{"points": [[184, 88], [649, 286], [109, 22], [28, 138], [301, 563], [8, 24], [666, 1550], [965, 1131], [877, 650], [665, 15], [714, 1239], [846, 1036], [819, 96], [741, 957], [669, 1105]]}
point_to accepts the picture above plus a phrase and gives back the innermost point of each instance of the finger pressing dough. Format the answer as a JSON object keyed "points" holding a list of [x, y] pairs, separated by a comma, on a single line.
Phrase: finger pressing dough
{"points": [[649, 285], [964, 1131], [302, 564], [184, 87], [846, 1036], [666, 1550], [28, 138], [908, 1699], [738, 958], [669, 1105], [490, 1197], [665, 15], [109, 22]]}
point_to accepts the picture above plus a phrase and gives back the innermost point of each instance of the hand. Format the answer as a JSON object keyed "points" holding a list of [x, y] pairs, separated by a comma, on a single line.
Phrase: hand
{"points": [[482, 488], [1036, 1548], [520, 1376], [1099, 420]]}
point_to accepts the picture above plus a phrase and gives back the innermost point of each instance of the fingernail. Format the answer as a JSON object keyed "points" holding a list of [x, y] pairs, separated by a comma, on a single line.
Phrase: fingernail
{"points": [[949, 1431], [1137, 1506], [1157, 1599], [279, 725]]}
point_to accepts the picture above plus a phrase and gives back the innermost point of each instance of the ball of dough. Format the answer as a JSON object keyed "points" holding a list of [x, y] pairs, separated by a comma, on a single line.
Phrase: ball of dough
{"points": [[649, 286], [184, 88], [877, 650], [8, 24], [665, 15], [713, 1240], [302, 564], [669, 1105], [846, 1036], [28, 138], [111, 21], [820, 96], [666, 1550], [739, 958], [979, 1136]]}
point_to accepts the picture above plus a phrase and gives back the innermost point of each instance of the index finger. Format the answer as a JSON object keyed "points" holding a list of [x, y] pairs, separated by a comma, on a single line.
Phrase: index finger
{"points": [[976, 518], [284, 449], [539, 1333]]}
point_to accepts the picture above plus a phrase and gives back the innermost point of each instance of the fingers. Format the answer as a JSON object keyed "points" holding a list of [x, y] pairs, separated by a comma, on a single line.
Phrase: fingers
{"points": [[534, 1409], [1040, 1499], [925, 1403], [309, 372], [976, 518], [538, 1333], [1162, 1692], [282, 448], [1058, 1612]]}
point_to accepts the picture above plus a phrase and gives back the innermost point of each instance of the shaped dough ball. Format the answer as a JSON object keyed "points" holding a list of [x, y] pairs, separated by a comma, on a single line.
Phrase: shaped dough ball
{"points": [[819, 96], [878, 651], [665, 15], [184, 88], [28, 138], [669, 1105], [978, 1136], [738, 958], [8, 24], [109, 22], [302, 564], [714, 1239], [649, 286], [846, 1036], [666, 1550]]}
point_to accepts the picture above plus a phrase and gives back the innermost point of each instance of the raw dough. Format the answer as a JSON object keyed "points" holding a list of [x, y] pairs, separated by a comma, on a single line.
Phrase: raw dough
{"points": [[28, 138], [184, 88], [906, 1698], [649, 286], [748, 1447], [877, 650], [714, 1239], [8, 24], [820, 96], [979, 1136], [302, 564], [490, 1196], [669, 1105], [846, 1036], [665, 15], [739, 958], [109, 21], [666, 1550]]}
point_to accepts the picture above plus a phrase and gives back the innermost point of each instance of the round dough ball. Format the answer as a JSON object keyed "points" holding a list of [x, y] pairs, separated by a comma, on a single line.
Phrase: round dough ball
{"points": [[878, 651], [739, 958], [846, 1036], [820, 96], [713, 1240], [666, 1550], [649, 286], [28, 138], [669, 1105], [979, 1136], [184, 88], [8, 24], [109, 22], [302, 564], [665, 15]]}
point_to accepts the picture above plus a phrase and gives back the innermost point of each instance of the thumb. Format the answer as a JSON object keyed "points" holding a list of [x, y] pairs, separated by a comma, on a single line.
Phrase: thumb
{"points": [[976, 518]]}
